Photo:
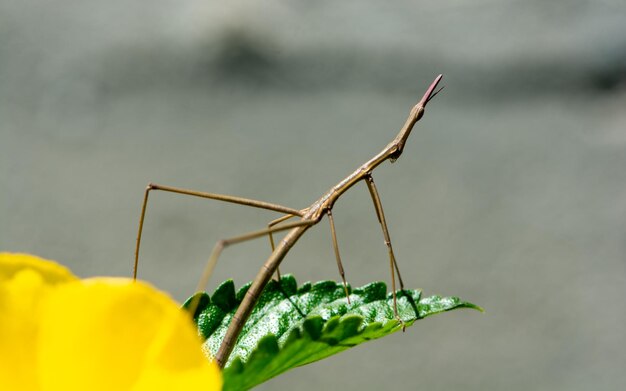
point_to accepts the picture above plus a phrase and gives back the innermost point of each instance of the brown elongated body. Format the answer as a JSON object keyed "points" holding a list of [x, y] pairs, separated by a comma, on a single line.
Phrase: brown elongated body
{"points": [[308, 217], [314, 213]]}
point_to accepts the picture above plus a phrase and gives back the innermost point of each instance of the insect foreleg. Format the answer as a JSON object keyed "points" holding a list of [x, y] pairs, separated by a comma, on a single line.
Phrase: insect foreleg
{"points": [[336, 249], [369, 181]]}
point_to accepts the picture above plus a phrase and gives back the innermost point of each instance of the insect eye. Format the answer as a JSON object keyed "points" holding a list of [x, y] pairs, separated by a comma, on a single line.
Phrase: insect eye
{"points": [[395, 155]]}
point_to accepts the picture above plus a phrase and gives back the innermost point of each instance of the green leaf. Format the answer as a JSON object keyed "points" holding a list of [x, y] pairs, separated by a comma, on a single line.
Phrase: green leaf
{"points": [[293, 326]]}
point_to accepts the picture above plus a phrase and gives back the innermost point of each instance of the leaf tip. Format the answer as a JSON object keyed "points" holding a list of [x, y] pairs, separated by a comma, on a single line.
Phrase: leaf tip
{"points": [[474, 307]]}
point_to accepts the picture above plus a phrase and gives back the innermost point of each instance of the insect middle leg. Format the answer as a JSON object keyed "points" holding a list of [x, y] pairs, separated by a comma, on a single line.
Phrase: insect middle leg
{"points": [[335, 247], [271, 237], [223, 243], [213, 196]]}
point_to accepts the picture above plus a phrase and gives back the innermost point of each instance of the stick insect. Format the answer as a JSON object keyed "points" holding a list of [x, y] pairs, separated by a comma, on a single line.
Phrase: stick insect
{"points": [[307, 218]]}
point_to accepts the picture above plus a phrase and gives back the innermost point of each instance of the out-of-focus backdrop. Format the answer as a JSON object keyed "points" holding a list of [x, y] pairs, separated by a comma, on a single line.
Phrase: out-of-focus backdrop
{"points": [[511, 192]]}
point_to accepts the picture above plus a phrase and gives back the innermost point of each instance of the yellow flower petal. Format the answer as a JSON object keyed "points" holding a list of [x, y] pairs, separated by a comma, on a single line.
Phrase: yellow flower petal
{"points": [[113, 334], [24, 280], [51, 272], [60, 333]]}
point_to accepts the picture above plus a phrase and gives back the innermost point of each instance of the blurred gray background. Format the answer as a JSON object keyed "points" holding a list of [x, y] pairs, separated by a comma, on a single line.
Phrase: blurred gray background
{"points": [[511, 192]]}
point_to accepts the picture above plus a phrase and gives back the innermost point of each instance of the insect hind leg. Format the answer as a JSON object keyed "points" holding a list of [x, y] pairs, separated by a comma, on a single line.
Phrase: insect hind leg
{"points": [[194, 193]]}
